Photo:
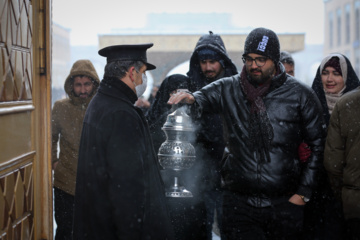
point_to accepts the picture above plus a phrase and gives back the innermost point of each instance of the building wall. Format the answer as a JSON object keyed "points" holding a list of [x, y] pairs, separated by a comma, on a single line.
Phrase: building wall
{"points": [[61, 56], [342, 29]]}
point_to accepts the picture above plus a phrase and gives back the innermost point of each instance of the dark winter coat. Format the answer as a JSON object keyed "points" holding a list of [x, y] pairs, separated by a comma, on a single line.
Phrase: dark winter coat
{"points": [[352, 82], [119, 191], [209, 142], [292, 108], [342, 152]]}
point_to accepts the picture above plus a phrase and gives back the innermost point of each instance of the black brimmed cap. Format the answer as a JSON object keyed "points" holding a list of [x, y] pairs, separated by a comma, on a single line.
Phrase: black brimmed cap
{"points": [[129, 52]]}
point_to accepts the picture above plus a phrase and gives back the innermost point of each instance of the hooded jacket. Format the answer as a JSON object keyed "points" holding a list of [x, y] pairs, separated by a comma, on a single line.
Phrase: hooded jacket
{"points": [[342, 152], [292, 109], [349, 75], [119, 191], [67, 120], [209, 135], [215, 43]]}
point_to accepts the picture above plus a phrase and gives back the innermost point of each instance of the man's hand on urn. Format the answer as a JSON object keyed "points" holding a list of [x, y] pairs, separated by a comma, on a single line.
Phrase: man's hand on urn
{"points": [[181, 97]]}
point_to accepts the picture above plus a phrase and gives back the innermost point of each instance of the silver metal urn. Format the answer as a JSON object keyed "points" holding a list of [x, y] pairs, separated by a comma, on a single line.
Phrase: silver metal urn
{"points": [[177, 153]]}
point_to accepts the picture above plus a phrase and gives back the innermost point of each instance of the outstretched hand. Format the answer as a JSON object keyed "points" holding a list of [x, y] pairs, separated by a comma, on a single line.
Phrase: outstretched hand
{"points": [[181, 97]]}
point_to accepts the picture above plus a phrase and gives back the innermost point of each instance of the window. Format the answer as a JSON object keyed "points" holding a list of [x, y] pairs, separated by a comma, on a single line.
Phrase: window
{"points": [[331, 29], [347, 23], [357, 37], [338, 20], [357, 61], [357, 21]]}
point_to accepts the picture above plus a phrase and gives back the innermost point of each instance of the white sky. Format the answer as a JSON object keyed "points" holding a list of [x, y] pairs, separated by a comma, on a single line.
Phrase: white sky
{"points": [[88, 18]]}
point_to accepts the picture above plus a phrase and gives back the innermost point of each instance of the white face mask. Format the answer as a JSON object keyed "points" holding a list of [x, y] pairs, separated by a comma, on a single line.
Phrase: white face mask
{"points": [[140, 89]]}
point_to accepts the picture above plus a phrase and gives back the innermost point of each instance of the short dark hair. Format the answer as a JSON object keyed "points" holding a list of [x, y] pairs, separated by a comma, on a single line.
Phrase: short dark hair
{"points": [[285, 57], [118, 69]]}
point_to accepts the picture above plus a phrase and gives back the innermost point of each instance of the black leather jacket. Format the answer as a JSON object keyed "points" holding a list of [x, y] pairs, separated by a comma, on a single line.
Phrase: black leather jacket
{"points": [[295, 114]]}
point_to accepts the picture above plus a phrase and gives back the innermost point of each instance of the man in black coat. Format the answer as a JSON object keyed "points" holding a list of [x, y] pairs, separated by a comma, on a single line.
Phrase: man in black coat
{"points": [[266, 114], [119, 191], [208, 63]]}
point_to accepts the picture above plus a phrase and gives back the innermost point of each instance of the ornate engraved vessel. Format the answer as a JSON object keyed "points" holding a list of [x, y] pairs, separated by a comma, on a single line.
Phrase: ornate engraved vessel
{"points": [[177, 153]]}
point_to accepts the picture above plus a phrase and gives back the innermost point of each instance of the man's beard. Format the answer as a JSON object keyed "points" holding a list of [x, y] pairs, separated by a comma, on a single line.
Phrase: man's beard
{"points": [[213, 77], [88, 95], [263, 77]]}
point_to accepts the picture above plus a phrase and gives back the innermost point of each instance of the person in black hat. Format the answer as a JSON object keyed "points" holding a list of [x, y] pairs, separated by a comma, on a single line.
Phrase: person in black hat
{"points": [[119, 190], [266, 114]]}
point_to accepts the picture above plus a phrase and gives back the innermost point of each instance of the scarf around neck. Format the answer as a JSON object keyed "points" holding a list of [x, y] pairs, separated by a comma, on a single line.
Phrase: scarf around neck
{"points": [[261, 131], [331, 99]]}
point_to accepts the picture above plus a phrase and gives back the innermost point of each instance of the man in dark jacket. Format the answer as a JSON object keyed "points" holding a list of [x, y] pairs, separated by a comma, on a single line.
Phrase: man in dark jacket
{"points": [[266, 114], [119, 191], [208, 63]]}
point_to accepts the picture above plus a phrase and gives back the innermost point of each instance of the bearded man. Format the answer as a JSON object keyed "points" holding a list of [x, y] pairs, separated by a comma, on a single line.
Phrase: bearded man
{"points": [[266, 115], [67, 118]]}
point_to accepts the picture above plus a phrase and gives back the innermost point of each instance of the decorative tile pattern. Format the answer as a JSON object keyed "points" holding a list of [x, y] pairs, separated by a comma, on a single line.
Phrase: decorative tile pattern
{"points": [[16, 204], [16, 77], [15, 50]]}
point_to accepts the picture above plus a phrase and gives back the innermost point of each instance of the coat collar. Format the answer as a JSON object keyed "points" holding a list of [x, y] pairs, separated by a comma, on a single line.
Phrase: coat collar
{"points": [[118, 89]]}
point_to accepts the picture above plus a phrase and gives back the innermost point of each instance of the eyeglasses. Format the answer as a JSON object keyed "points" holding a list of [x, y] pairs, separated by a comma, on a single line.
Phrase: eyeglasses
{"points": [[259, 61]]}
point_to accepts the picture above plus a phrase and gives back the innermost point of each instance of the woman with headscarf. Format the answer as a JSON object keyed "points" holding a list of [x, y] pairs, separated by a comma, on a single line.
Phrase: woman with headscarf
{"points": [[334, 77], [323, 216], [186, 214], [159, 110]]}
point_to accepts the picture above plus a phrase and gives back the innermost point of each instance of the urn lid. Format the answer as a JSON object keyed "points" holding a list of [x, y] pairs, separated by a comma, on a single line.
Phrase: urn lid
{"points": [[178, 120]]}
